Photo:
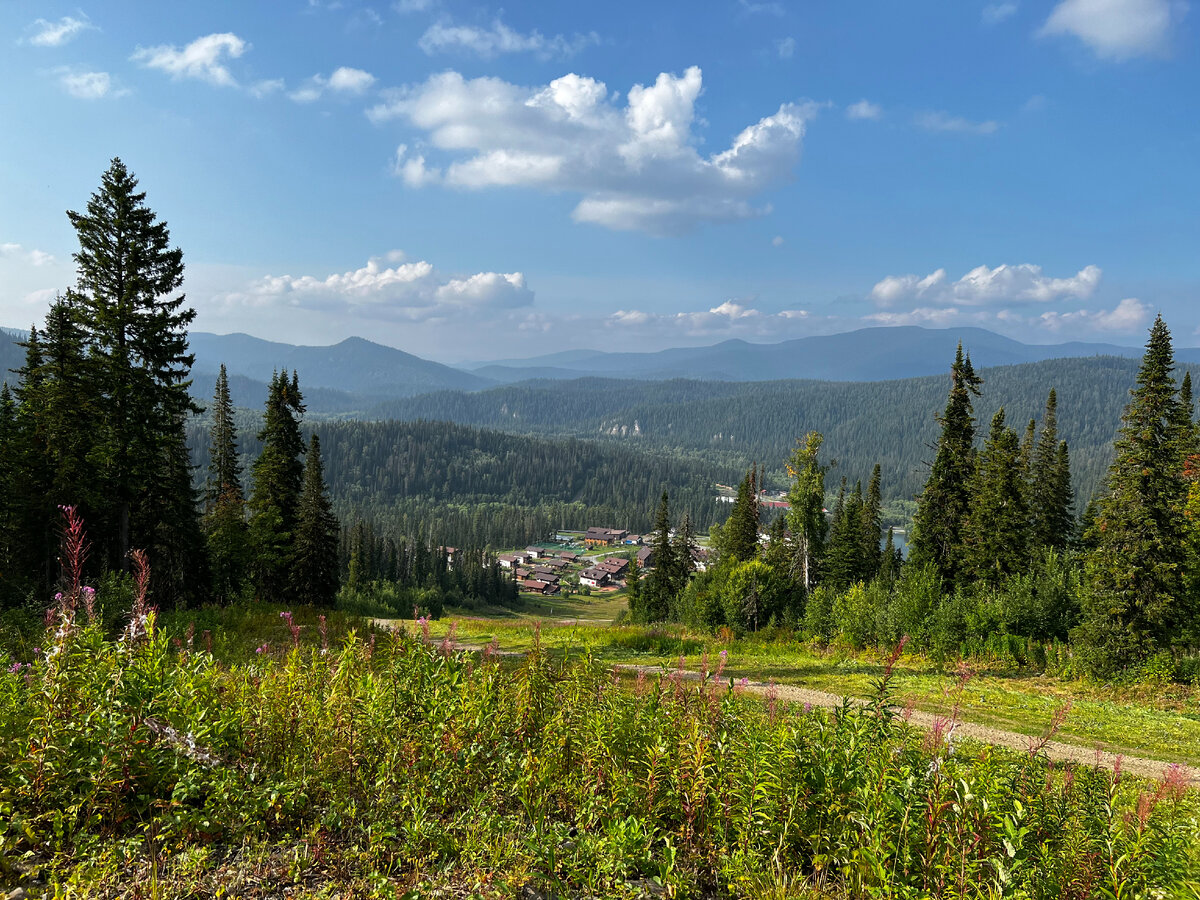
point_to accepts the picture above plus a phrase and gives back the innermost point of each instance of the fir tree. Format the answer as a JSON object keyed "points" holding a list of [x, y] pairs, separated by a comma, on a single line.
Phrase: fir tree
{"points": [[872, 525], [806, 512], [315, 557], [739, 534], [1136, 604], [66, 407], [136, 328], [942, 507], [275, 499], [683, 551], [995, 535], [1050, 484], [658, 591], [224, 503], [224, 469], [844, 564], [890, 564]]}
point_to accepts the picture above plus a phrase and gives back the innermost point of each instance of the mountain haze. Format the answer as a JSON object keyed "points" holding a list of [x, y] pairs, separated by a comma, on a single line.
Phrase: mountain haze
{"points": [[868, 354]]}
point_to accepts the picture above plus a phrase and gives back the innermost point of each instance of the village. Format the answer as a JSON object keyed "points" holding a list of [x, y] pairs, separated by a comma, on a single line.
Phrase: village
{"points": [[595, 559]]}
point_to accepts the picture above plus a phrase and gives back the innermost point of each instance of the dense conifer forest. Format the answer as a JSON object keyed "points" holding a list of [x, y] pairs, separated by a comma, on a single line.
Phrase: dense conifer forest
{"points": [[892, 423], [483, 487]]}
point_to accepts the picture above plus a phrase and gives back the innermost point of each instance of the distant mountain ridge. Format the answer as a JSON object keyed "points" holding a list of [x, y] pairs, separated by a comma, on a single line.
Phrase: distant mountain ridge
{"points": [[868, 354], [355, 365], [356, 375]]}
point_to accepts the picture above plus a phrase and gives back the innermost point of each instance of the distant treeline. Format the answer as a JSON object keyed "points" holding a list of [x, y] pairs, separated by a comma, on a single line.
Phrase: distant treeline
{"points": [[486, 488], [734, 424]]}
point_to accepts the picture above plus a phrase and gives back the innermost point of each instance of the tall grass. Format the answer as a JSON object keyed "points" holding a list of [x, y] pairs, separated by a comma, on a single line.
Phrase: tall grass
{"points": [[393, 759]]}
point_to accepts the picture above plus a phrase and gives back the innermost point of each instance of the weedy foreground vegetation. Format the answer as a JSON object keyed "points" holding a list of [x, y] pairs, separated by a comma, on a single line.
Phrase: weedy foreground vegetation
{"points": [[165, 761]]}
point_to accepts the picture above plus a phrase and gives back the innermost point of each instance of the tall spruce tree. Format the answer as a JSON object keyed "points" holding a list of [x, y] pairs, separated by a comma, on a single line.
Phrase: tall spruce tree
{"points": [[844, 557], [995, 532], [224, 502], [658, 589], [315, 561], [1136, 603], [136, 328], [739, 534], [872, 525], [1051, 522], [683, 550], [942, 508], [278, 474], [806, 509]]}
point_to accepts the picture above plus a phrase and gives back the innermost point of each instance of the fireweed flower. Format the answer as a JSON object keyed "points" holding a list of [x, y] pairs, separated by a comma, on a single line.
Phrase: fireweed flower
{"points": [[292, 627]]}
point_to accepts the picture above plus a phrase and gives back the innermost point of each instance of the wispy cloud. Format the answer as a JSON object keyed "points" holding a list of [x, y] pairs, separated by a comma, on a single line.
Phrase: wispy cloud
{"points": [[786, 47], [636, 166], [89, 85], [864, 109], [44, 33], [203, 59], [995, 13], [767, 7], [944, 122], [33, 257], [499, 39]]}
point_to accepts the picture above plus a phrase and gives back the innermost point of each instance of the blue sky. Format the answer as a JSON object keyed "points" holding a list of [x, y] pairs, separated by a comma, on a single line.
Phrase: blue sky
{"points": [[468, 181]]}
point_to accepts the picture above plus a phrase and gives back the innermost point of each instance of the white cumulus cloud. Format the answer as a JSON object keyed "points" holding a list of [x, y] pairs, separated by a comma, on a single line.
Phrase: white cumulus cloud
{"points": [[344, 80], [1129, 315], [636, 165], [389, 288], [55, 34], [498, 39], [1004, 285], [1118, 29], [203, 59]]}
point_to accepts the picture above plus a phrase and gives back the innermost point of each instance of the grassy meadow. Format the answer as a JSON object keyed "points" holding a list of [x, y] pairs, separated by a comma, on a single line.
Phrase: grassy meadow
{"points": [[1159, 720], [257, 751]]}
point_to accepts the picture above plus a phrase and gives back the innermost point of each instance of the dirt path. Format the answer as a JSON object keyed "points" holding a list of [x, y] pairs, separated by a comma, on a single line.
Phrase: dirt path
{"points": [[998, 737], [1056, 750]]}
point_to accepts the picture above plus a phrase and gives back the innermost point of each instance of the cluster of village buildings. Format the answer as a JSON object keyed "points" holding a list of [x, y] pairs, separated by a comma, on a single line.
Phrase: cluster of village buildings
{"points": [[540, 570]]}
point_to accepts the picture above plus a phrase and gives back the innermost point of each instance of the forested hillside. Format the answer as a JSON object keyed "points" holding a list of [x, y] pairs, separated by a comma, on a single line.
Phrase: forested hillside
{"points": [[477, 487], [890, 422]]}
